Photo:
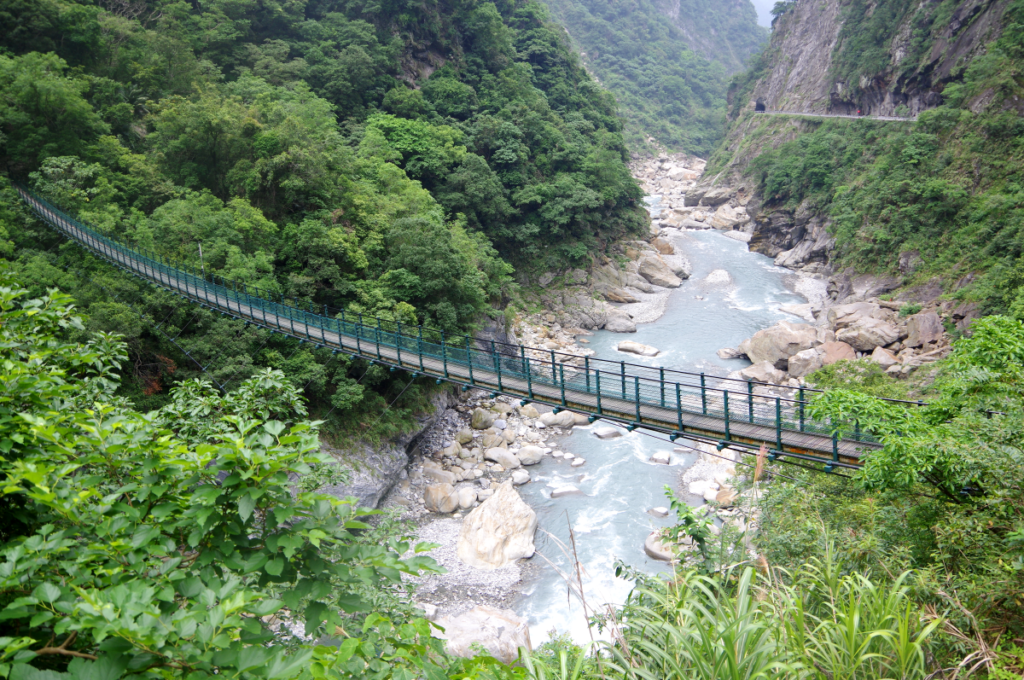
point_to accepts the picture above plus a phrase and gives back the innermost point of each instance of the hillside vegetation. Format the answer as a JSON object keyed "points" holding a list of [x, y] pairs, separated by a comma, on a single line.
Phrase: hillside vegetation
{"points": [[396, 160], [669, 85]]}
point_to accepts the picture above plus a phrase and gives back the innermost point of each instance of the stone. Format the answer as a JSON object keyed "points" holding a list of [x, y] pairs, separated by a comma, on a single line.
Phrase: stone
{"points": [[778, 343], [580, 418], [717, 277], [509, 435], [619, 321], [804, 363], [924, 328], [607, 432], [637, 348], [429, 610], [741, 236], [698, 487], [884, 357], [726, 217], [614, 293], [502, 408], [836, 351], [729, 353], [578, 462], [660, 511], [656, 271], [502, 457], [529, 411], [520, 477], [842, 316], [499, 531], [467, 497], [500, 424], [438, 475], [763, 372], [867, 333], [464, 436], [440, 498], [654, 548], [481, 419], [711, 493], [492, 439], [661, 458], [560, 419], [500, 632], [726, 497], [530, 455], [566, 490], [663, 246]]}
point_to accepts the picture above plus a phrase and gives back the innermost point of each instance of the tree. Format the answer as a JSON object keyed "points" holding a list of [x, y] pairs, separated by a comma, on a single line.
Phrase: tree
{"points": [[169, 544]]}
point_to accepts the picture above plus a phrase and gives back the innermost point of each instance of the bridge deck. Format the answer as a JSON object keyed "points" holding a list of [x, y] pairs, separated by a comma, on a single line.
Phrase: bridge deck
{"points": [[690, 410]]}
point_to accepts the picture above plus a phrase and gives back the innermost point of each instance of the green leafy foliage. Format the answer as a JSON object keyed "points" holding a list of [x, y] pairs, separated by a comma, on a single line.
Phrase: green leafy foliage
{"points": [[311, 155], [667, 90], [172, 544]]}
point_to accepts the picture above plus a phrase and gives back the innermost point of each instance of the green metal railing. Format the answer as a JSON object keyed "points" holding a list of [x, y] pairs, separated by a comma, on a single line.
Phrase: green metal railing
{"points": [[598, 386]]}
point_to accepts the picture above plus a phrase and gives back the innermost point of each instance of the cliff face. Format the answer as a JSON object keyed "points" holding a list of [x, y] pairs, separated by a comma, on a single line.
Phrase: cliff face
{"points": [[886, 58]]}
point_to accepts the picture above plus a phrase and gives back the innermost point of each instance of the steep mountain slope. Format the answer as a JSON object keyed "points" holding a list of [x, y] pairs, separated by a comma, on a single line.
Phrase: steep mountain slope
{"points": [[388, 158], [665, 61], [935, 203]]}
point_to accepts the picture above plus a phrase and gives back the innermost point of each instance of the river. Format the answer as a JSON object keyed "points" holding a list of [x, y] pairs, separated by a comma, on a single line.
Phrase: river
{"points": [[611, 520]]}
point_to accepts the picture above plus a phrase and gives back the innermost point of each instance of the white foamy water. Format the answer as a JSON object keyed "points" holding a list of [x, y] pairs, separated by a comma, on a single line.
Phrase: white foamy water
{"points": [[619, 484]]}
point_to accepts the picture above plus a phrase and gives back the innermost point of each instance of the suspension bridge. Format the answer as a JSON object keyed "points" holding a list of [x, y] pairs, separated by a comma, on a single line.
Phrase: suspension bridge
{"points": [[736, 413]]}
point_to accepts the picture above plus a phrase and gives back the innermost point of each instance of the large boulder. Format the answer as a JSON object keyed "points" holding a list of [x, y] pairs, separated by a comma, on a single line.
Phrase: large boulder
{"points": [[836, 351], [614, 293], [655, 548], [467, 497], [763, 372], [560, 419], [867, 333], [725, 218], [619, 321], [464, 436], [607, 432], [502, 457], [481, 419], [884, 357], [657, 272], [663, 246], [637, 348], [779, 342], [499, 631], [441, 498], [924, 328], [842, 316], [499, 531], [806, 362], [530, 455]]}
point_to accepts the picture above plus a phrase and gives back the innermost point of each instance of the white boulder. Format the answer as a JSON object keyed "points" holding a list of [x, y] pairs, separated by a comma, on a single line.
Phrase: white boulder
{"points": [[499, 631], [499, 531]]}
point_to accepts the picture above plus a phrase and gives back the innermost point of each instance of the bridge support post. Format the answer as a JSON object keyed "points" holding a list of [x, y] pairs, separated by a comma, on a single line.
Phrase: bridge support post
{"points": [[778, 423], [376, 336], [586, 371], [750, 401], [725, 402], [800, 396], [679, 408], [469, 360], [398, 341], [522, 357], [420, 345], [529, 379], [597, 383], [497, 365], [636, 392], [359, 332], [323, 331], [444, 354], [554, 377], [661, 380], [622, 374], [703, 394], [561, 379]]}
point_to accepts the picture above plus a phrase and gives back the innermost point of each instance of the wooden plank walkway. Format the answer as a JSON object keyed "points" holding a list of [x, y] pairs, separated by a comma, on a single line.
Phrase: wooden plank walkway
{"points": [[690, 412]]}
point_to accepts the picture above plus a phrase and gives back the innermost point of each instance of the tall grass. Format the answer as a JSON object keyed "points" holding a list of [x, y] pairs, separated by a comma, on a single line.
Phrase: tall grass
{"points": [[816, 623]]}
